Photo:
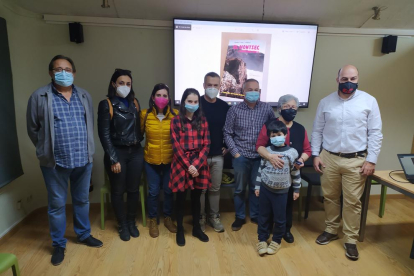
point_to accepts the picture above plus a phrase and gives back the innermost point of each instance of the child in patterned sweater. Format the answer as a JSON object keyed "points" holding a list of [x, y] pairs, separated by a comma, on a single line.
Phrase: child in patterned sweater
{"points": [[272, 186]]}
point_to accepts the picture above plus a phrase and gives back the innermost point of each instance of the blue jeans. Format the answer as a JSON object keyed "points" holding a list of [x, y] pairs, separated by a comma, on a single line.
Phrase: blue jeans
{"points": [[158, 176], [272, 210], [245, 173], [56, 180]]}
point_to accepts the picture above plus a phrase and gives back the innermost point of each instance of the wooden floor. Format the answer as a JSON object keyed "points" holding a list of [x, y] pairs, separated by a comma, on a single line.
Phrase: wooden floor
{"points": [[385, 250]]}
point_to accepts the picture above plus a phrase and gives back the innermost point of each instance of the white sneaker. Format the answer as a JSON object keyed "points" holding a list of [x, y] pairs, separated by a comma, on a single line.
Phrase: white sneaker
{"points": [[262, 248], [273, 248], [215, 222], [203, 223]]}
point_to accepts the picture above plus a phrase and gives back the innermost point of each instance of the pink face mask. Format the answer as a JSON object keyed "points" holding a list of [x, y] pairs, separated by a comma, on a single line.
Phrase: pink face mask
{"points": [[161, 102]]}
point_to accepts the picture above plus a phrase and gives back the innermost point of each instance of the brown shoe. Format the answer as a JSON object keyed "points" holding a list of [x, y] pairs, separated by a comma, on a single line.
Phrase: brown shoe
{"points": [[170, 225], [153, 228], [351, 251], [326, 238]]}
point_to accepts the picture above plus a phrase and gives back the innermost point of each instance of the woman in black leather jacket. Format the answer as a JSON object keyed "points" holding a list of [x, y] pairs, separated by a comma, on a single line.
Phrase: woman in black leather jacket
{"points": [[120, 134]]}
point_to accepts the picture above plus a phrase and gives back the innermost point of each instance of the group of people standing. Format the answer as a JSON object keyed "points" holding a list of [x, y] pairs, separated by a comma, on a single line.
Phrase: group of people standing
{"points": [[185, 148]]}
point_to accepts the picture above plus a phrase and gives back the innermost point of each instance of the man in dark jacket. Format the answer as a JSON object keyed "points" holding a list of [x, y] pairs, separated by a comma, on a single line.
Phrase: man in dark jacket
{"points": [[60, 125]]}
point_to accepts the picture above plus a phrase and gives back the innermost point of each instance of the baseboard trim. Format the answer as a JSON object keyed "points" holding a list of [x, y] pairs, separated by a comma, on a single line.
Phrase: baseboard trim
{"points": [[17, 226], [391, 196]]}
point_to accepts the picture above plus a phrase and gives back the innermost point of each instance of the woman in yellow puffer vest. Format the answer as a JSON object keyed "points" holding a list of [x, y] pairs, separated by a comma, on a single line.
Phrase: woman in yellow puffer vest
{"points": [[158, 152]]}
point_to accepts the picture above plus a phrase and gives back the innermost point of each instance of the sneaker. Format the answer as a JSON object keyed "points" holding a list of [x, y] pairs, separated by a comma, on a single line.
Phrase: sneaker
{"points": [[326, 238], [58, 256], [227, 178], [288, 237], [261, 248], [180, 239], [203, 223], [198, 233], [351, 251], [153, 228], [273, 248], [237, 224], [133, 229], [91, 242], [215, 222], [254, 221], [168, 223]]}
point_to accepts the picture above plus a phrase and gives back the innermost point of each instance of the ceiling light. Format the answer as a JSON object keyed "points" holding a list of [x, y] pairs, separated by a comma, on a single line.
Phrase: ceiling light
{"points": [[377, 12]]}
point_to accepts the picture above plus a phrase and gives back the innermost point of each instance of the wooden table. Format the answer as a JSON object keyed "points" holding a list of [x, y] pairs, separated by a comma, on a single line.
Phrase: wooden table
{"points": [[384, 179]]}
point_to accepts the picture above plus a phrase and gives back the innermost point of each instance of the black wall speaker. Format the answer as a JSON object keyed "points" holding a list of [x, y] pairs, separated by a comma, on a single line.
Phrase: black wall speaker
{"points": [[389, 44], [76, 32]]}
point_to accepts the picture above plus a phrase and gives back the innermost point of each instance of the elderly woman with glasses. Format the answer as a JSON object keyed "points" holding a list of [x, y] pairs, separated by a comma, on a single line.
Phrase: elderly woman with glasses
{"points": [[296, 138]]}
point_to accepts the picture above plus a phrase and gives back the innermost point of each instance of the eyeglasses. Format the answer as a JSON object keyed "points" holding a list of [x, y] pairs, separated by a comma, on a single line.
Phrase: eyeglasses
{"points": [[119, 69], [60, 69]]}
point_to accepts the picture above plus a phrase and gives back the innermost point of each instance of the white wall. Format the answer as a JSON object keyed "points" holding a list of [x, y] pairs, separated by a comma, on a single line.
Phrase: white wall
{"points": [[149, 54]]}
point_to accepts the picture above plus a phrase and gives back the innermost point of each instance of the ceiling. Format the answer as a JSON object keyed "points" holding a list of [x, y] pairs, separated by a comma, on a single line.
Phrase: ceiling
{"points": [[326, 13]]}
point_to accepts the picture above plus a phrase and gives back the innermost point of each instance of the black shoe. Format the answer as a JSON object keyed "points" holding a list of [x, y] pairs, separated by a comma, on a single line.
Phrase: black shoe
{"points": [[237, 224], [91, 242], [124, 231], [351, 251], [326, 238], [180, 237], [198, 233], [254, 220], [133, 229], [288, 237], [58, 255]]}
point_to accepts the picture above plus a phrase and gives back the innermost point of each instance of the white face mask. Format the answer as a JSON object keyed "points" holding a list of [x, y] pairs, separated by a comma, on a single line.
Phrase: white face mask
{"points": [[211, 92], [123, 91]]}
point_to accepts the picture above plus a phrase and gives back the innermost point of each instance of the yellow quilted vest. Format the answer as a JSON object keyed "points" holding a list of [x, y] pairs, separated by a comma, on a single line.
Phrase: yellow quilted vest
{"points": [[158, 148]]}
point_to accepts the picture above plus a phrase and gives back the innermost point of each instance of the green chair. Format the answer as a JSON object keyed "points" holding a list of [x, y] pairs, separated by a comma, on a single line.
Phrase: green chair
{"points": [[106, 190], [9, 261]]}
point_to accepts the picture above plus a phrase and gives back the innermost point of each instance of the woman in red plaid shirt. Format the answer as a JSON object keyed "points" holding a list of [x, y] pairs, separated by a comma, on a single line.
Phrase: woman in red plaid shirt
{"points": [[189, 170]]}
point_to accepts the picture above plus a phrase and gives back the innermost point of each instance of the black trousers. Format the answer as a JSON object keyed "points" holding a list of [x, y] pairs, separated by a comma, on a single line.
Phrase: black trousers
{"points": [[272, 209], [289, 212], [128, 180], [195, 207]]}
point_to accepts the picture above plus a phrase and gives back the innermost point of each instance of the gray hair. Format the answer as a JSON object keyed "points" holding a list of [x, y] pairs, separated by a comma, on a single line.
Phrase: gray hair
{"points": [[249, 80], [284, 99]]}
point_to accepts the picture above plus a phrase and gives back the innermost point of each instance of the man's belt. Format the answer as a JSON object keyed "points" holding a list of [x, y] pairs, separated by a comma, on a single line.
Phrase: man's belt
{"points": [[349, 155]]}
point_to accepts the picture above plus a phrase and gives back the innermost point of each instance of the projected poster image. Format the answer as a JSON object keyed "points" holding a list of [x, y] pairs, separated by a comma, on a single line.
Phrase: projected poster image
{"points": [[279, 56], [243, 56]]}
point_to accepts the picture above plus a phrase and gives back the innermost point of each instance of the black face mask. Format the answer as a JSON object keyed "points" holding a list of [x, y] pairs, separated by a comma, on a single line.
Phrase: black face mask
{"points": [[348, 87], [288, 114]]}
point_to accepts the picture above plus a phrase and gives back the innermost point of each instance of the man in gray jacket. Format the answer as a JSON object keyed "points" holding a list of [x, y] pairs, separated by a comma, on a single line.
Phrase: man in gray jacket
{"points": [[60, 125]]}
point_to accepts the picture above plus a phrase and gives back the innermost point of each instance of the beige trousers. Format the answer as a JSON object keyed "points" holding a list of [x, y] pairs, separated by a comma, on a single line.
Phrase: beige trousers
{"points": [[342, 175]]}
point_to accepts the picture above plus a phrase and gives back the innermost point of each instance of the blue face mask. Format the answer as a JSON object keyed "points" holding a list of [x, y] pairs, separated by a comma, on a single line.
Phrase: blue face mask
{"points": [[252, 96], [277, 141], [191, 107], [64, 79]]}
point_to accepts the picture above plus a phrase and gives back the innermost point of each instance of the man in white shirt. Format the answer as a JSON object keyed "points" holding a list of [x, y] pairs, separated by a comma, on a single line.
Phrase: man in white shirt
{"points": [[347, 128]]}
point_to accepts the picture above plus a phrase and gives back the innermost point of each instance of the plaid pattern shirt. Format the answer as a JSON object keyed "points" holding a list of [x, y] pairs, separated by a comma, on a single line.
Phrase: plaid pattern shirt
{"points": [[190, 147], [71, 138], [243, 125]]}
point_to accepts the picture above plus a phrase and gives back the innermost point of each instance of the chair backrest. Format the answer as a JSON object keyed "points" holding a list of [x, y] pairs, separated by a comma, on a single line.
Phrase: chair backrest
{"points": [[309, 162], [412, 147]]}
